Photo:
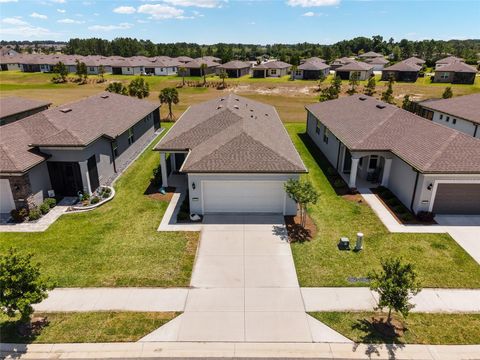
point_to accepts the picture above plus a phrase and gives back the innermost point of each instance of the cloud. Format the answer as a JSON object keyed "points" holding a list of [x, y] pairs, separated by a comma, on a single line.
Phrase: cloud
{"points": [[70, 21], [38, 16], [312, 3], [61, 11], [124, 10], [7, 1], [196, 3], [121, 26], [14, 21], [160, 12], [309, 13], [59, 1]]}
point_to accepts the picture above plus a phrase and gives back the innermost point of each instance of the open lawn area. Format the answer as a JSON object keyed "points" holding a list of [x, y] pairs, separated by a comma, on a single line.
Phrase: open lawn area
{"points": [[87, 327], [289, 97], [421, 328], [439, 260], [116, 244]]}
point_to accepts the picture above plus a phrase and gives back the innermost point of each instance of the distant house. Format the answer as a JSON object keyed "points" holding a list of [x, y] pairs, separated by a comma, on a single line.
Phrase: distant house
{"points": [[235, 68], [271, 69], [7, 51], [194, 67], [402, 71], [162, 65], [447, 61], [15, 108], [184, 59], [378, 63], [210, 58], [312, 69], [429, 167], [370, 55], [312, 59], [363, 70], [235, 155], [72, 148], [455, 73], [461, 113], [340, 62], [415, 60]]}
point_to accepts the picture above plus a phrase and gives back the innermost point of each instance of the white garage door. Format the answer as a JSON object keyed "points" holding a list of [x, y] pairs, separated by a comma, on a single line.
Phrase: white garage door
{"points": [[243, 196], [6, 198]]}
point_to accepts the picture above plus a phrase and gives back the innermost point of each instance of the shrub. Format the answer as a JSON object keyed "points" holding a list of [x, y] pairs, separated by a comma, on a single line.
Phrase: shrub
{"points": [[51, 202], [19, 215], [399, 208], [85, 197], [95, 200], [406, 216], [44, 208], [425, 216], [393, 201], [105, 195], [331, 171], [338, 183], [107, 190], [34, 214]]}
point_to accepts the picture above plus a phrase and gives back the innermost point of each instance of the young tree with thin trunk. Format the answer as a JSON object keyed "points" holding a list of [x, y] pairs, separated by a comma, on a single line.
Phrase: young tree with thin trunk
{"points": [[448, 93], [101, 73], [321, 79], [223, 75], [406, 103], [387, 95], [169, 96], [61, 73], [182, 70], [370, 88], [337, 84], [303, 193], [353, 82], [395, 284], [203, 71]]}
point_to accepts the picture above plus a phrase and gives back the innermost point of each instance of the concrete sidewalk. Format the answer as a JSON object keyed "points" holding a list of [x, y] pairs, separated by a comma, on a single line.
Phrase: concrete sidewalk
{"points": [[185, 350], [363, 299]]}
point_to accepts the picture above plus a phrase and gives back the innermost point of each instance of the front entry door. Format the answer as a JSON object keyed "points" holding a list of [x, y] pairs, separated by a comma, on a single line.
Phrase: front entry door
{"points": [[65, 177], [93, 173]]}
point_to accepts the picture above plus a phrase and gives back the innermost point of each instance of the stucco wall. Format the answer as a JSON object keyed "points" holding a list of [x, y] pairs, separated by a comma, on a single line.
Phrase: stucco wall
{"points": [[330, 150], [196, 205], [165, 71], [402, 180], [462, 125], [39, 183], [438, 74]]}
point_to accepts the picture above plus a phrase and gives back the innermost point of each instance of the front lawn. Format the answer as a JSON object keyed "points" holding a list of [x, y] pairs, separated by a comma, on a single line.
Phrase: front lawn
{"points": [[439, 260], [116, 244], [433, 329], [87, 327]]}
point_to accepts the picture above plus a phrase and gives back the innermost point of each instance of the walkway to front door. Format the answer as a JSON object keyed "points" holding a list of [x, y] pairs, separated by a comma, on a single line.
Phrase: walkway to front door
{"points": [[244, 287]]}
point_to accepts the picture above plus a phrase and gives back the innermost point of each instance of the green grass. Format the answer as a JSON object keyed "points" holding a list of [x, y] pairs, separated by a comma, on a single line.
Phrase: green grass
{"points": [[87, 327], [445, 329], [116, 244], [440, 261]]}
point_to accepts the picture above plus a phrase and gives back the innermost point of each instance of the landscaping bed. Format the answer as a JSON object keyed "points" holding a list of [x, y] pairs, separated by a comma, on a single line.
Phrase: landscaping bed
{"points": [[419, 328], [34, 213], [297, 232], [83, 327], [102, 195]]}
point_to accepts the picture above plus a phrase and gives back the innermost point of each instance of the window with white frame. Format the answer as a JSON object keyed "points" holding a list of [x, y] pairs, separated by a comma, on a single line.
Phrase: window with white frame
{"points": [[298, 72], [317, 127], [131, 137], [444, 75], [273, 71]]}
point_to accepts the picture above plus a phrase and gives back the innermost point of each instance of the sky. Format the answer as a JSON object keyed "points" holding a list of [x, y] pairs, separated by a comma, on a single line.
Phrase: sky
{"points": [[239, 21]]}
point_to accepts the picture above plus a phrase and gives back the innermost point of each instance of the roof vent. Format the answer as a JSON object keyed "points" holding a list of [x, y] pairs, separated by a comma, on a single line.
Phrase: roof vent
{"points": [[251, 116], [221, 99], [251, 110], [65, 110], [266, 114], [219, 107], [236, 107], [362, 98], [381, 106], [237, 99], [104, 96]]}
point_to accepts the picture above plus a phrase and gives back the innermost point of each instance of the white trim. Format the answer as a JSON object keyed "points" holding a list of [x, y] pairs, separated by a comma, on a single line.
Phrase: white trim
{"points": [[435, 187]]}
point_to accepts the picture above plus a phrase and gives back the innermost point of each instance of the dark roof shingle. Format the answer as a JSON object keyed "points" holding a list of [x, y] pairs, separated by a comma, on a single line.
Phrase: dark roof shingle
{"points": [[15, 105]]}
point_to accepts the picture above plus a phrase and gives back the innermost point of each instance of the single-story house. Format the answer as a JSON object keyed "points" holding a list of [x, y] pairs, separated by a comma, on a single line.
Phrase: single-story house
{"points": [[378, 63], [162, 66], [194, 67], [312, 59], [271, 69], [370, 55], [14, 108], [455, 73], [447, 61], [428, 166], [402, 71], [415, 60], [72, 148], [184, 59], [210, 58], [312, 70], [461, 113], [235, 68], [236, 156], [340, 62], [363, 70], [7, 51]]}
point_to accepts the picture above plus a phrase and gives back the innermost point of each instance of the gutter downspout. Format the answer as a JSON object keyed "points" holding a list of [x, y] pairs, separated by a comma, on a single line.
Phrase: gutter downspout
{"points": [[113, 157], [475, 132], [338, 152], [414, 191]]}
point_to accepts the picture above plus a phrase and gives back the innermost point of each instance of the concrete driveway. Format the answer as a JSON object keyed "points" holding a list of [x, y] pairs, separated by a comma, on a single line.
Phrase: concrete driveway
{"points": [[244, 287]]}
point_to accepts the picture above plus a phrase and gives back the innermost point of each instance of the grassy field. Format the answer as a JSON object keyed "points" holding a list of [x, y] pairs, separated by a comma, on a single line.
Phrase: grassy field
{"points": [[87, 327], [289, 97], [439, 260], [421, 328], [116, 244]]}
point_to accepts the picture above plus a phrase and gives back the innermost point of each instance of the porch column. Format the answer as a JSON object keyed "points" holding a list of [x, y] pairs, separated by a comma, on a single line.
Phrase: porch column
{"points": [[353, 173], [163, 165], [386, 171], [173, 162], [87, 189]]}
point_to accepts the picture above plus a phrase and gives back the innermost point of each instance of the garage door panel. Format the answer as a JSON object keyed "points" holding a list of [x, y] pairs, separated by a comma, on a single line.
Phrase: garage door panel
{"points": [[457, 198], [6, 198], [243, 196]]}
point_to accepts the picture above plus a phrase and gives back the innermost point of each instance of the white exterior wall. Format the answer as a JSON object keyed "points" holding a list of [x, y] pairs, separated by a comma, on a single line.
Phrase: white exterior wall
{"points": [[14, 67], [162, 71], [278, 72], [330, 150], [39, 182], [402, 180], [462, 125], [196, 200]]}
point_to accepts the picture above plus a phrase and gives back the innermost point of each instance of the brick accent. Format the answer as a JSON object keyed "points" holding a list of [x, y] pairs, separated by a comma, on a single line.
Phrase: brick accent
{"points": [[21, 191]]}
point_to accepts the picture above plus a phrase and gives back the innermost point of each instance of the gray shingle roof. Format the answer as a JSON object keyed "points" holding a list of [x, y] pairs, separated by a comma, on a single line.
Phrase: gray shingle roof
{"points": [[233, 135], [313, 65], [404, 66], [427, 146], [449, 60], [355, 66], [415, 60], [466, 107], [370, 54], [234, 64], [15, 105], [457, 66], [197, 63], [273, 65]]}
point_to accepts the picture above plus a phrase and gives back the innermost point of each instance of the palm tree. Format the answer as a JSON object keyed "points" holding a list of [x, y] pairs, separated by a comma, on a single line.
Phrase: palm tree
{"points": [[169, 96], [223, 75], [117, 88], [203, 71], [139, 87], [182, 70]]}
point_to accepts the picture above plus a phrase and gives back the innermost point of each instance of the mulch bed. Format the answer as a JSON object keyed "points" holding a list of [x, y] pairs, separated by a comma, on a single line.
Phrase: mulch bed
{"points": [[395, 329], [155, 195], [297, 233]]}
